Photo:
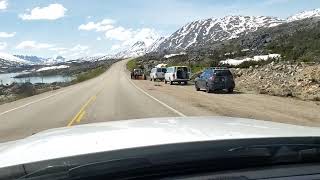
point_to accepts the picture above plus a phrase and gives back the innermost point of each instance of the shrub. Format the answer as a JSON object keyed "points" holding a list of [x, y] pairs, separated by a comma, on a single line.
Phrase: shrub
{"points": [[90, 74], [132, 64]]}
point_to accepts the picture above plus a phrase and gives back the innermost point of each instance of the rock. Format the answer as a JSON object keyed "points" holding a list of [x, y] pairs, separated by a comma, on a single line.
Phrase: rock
{"points": [[282, 79], [56, 87]]}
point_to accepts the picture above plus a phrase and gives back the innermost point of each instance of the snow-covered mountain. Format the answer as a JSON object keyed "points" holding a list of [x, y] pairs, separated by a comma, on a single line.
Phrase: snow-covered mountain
{"points": [[41, 60], [54, 60], [92, 58], [155, 44], [137, 49], [213, 30], [7, 60], [304, 15], [33, 59]]}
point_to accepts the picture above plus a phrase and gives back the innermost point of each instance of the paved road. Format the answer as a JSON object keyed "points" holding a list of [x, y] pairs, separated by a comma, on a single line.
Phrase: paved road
{"points": [[113, 96], [110, 96]]}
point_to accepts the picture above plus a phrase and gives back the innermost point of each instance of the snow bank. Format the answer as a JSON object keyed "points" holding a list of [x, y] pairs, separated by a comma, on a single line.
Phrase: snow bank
{"points": [[172, 55], [266, 57], [161, 65], [53, 68], [236, 62]]}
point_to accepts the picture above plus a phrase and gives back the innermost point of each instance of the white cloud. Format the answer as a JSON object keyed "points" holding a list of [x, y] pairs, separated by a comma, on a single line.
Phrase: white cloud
{"points": [[125, 36], [7, 35], [3, 45], [115, 47], [79, 47], [58, 49], [103, 25], [3, 4], [99, 54], [33, 45], [146, 35], [119, 33], [51, 12]]}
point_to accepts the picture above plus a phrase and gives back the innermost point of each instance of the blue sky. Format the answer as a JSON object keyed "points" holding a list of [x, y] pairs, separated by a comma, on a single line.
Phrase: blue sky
{"points": [[92, 27]]}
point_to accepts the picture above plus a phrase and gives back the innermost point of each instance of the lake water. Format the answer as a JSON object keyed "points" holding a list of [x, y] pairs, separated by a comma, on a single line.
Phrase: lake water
{"points": [[8, 79]]}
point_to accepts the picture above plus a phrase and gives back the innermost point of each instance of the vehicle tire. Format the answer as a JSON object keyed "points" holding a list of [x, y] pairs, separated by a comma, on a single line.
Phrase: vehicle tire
{"points": [[230, 90], [171, 82], [186, 83], [208, 90], [150, 78], [196, 86], [179, 83], [165, 81]]}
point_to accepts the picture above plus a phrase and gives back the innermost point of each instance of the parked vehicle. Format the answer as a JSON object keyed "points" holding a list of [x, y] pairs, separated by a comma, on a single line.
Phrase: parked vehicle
{"points": [[177, 74], [157, 73], [215, 78], [138, 74]]}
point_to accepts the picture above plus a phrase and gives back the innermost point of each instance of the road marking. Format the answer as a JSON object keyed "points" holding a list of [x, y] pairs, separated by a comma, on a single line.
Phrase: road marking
{"points": [[32, 102], [162, 103], [80, 116], [81, 113]]}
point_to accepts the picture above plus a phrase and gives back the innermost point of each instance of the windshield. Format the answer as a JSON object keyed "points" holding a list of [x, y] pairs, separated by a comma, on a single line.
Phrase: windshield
{"points": [[222, 73], [79, 77]]}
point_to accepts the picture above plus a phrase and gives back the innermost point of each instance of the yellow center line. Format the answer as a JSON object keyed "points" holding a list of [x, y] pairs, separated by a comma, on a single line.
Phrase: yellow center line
{"points": [[80, 116], [81, 113]]}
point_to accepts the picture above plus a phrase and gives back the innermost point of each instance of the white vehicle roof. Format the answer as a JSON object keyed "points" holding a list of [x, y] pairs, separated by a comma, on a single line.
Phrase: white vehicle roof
{"points": [[161, 66], [116, 135]]}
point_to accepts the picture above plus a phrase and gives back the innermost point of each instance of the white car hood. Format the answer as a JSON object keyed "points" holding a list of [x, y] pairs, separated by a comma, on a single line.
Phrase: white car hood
{"points": [[115, 135]]}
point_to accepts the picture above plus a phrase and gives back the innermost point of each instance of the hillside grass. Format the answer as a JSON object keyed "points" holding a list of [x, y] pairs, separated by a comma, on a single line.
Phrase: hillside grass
{"points": [[132, 64], [89, 74], [301, 46]]}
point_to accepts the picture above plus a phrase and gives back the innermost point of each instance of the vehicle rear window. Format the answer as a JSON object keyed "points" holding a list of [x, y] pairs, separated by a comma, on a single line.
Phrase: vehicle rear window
{"points": [[222, 73], [164, 70], [183, 68]]}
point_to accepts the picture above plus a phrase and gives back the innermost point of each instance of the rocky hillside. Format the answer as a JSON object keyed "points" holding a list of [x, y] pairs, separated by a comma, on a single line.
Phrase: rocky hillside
{"points": [[304, 15], [201, 32], [299, 80], [210, 33], [295, 41]]}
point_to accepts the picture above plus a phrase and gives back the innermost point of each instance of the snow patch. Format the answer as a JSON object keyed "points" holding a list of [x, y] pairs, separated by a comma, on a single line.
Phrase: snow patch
{"points": [[236, 62], [172, 55], [53, 68]]}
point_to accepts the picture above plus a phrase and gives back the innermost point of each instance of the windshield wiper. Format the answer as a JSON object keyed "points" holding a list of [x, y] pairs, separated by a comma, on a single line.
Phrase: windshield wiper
{"points": [[282, 153], [92, 169], [249, 156]]}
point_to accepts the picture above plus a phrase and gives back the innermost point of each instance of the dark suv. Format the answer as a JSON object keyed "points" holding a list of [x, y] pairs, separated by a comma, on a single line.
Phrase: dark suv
{"points": [[215, 78]]}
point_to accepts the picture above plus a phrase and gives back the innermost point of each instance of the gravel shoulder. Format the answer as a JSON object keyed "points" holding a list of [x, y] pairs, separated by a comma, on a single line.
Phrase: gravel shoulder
{"points": [[263, 107]]}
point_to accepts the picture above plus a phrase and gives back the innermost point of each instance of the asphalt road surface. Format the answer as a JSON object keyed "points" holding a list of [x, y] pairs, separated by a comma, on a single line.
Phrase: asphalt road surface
{"points": [[113, 96]]}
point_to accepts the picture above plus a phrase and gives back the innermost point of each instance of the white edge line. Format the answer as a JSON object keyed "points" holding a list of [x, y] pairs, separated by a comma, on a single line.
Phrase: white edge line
{"points": [[32, 102], [162, 103]]}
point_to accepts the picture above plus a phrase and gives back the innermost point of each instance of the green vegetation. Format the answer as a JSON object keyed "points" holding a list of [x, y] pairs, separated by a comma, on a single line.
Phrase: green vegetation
{"points": [[90, 74], [302, 45], [132, 64]]}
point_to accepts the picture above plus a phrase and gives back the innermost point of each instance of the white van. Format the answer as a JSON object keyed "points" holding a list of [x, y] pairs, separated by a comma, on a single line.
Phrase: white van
{"points": [[157, 73], [177, 74]]}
